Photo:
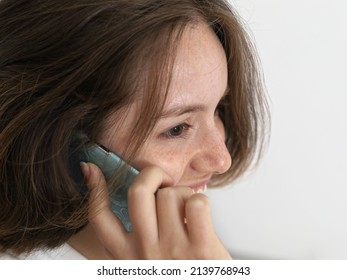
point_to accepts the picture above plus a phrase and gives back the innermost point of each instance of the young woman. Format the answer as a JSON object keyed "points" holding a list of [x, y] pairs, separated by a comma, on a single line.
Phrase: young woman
{"points": [[172, 87]]}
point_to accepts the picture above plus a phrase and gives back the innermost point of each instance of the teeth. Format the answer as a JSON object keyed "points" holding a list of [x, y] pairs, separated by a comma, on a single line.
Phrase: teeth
{"points": [[199, 189]]}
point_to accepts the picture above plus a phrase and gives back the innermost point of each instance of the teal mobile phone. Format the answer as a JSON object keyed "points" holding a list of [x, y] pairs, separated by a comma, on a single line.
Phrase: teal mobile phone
{"points": [[109, 163]]}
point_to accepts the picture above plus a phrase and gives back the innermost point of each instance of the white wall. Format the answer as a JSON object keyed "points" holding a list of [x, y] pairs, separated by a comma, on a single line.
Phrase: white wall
{"points": [[294, 206]]}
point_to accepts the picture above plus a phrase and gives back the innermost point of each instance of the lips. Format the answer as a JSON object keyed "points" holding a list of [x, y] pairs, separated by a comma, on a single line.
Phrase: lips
{"points": [[197, 186]]}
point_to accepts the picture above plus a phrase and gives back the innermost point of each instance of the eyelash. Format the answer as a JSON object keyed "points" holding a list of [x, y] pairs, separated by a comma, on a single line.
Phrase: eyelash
{"points": [[184, 127]]}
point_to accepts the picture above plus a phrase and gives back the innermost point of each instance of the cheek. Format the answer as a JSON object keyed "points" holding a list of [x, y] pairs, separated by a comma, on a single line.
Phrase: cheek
{"points": [[173, 162]]}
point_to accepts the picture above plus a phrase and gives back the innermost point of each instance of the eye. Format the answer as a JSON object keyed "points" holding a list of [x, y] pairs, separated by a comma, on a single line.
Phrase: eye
{"points": [[178, 130]]}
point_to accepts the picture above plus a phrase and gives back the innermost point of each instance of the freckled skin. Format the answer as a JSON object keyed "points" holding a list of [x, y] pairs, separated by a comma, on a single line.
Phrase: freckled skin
{"points": [[183, 152], [199, 77]]}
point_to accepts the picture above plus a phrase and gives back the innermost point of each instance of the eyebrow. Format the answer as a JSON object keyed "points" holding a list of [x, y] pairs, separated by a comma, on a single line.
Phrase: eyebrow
{"points": [[179, 110]]}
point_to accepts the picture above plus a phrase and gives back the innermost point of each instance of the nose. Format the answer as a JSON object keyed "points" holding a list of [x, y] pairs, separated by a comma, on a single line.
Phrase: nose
{"points": [[212, 155]]}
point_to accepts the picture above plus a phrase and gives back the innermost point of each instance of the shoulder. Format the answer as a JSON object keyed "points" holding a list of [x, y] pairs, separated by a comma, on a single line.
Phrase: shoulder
{"points": [[64, 252]]}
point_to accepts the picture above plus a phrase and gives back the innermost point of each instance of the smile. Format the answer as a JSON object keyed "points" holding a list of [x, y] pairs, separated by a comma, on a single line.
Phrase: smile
{"points": [[201, 188]]}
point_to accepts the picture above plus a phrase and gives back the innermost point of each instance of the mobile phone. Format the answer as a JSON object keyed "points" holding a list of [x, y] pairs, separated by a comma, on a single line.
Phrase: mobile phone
{"points": [[109, 163]]}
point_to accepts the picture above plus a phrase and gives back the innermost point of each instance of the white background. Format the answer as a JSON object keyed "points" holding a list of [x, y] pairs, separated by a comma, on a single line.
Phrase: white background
{"points": [[294, 206]]}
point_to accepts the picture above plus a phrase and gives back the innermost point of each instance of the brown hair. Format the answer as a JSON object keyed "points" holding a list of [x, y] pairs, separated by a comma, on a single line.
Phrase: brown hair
{"points": [[65, 66]]}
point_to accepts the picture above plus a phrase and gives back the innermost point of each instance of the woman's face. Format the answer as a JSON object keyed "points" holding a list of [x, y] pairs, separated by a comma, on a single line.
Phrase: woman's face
{"points": [[188, 141]]}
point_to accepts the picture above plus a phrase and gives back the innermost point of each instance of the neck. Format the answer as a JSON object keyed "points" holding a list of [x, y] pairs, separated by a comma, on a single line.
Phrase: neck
{"points": [[87, 243]]}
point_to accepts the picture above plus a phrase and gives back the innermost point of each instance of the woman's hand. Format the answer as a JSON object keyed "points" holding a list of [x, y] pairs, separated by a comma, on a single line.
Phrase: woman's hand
{"points": [[168, 223]]}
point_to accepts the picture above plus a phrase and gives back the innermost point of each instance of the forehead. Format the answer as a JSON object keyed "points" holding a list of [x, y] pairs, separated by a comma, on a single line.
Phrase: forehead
{"points": [[198, 76], [199, 48], [200, 64]]}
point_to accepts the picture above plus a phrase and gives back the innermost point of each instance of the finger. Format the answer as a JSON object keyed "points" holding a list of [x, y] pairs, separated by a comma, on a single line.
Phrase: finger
{"points": [[199, 220], [171, 212], [142, 204], [107, 226]]}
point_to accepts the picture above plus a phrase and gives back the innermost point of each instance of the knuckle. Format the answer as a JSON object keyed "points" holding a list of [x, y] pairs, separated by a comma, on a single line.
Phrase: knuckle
{"points": [[136, 190], [166, 193]]}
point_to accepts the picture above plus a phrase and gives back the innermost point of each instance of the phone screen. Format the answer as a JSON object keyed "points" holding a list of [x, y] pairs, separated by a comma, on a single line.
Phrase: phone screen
{"points": [[109, 163]]}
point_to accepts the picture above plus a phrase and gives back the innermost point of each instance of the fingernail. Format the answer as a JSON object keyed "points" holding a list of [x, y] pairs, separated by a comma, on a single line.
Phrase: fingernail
{"points": [[85, 170]]}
